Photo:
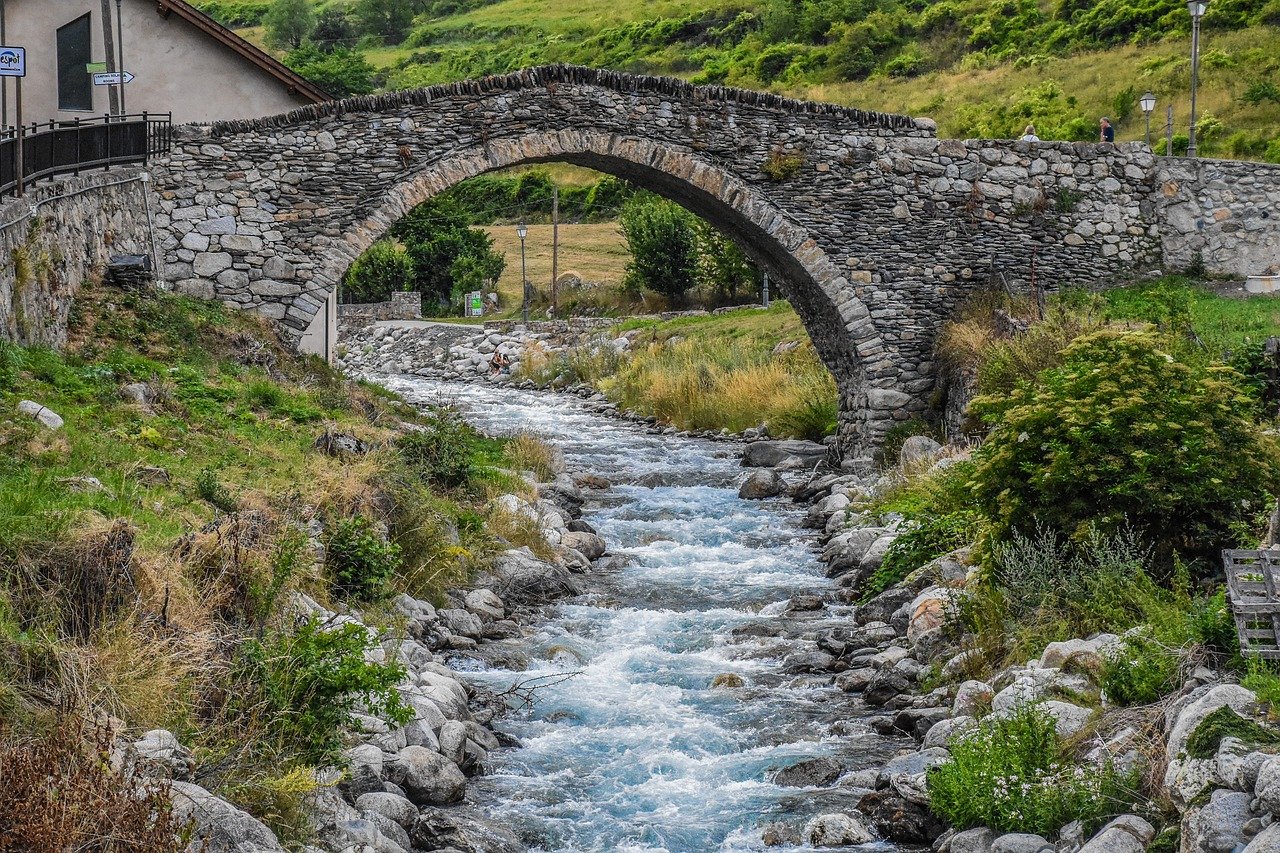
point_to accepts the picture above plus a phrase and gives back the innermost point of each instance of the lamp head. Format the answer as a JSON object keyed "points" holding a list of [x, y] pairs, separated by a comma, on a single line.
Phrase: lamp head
{"points": [[522, 230], [1197, 8], [1148, 102]]}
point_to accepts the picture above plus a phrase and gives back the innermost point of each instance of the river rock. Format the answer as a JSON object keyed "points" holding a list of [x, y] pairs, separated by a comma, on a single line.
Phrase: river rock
{"points": [[218, 826], [887, 684], [835, 830], [462, 622], [810, 773], [1267, 785], [589, 545], [441, 829], [912, 763], [898, 819], [391, 806], [523, 579], [766, 454], [483, 602], [1217, 827], [1186, 777], [944, 731], [158, 754], [429, 779], [1267, 841], [762, 484], [1021, 842], [977, 840], [1126, 834], [453, 741]]}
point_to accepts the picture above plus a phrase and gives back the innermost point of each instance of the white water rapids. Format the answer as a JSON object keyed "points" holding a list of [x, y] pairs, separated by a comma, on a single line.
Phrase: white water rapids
{"points": [[637, 752]]}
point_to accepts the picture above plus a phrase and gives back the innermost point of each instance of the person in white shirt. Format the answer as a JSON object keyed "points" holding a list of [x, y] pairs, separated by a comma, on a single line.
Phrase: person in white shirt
{"points": [[1029, 135]]}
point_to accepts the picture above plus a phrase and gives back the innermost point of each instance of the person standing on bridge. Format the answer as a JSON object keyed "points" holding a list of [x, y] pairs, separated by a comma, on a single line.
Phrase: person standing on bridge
{"points": [[1108, 133]]}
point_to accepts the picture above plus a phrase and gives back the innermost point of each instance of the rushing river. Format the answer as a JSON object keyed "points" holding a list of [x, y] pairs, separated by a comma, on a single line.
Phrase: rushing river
{"points": [[636, 751]]}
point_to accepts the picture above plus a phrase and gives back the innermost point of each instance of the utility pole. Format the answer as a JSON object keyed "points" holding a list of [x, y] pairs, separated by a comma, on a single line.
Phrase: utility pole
{"points": [[120, 47], [1168, 131], [555, 246], [4, 82], [109, 48]]}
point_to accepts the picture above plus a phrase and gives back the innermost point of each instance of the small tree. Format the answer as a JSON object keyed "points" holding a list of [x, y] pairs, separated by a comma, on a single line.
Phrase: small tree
{"points": [[289, 22], [383, 269], [342, 72], [1124, 433], [724, 266], [449, 256], [333, 30], [663, 241], [388, 20]]}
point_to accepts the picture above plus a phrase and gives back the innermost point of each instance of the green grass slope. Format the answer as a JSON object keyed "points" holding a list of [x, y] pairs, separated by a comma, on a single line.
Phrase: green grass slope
{"points": [[981, 67]]}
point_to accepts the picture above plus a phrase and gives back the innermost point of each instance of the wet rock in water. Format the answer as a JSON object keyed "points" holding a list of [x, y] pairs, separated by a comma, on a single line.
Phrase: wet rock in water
{"points": [[429, 779], [727, 680], [780, 835], [761, 484], [900, 820], [912, 763], [812, 661], [886, 685], [577, 525], [917, 722], [804, 604], [810, 773], [218, 826], [440, 829], [589, 545], [652, 480], [766, 454], [591, 481], [836, 830]]}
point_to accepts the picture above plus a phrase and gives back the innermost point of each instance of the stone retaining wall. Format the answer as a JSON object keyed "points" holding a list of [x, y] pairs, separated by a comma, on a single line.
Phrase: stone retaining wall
{"points": [[58, 235], [401, 306], [1223, 214]]}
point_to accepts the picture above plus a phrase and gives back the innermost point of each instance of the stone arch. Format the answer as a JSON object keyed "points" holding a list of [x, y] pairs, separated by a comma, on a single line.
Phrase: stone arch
{"points": [[838, 322]]}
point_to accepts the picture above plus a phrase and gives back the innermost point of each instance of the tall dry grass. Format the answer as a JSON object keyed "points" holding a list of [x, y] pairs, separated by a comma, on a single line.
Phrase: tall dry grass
{"points": [[700, 385]]}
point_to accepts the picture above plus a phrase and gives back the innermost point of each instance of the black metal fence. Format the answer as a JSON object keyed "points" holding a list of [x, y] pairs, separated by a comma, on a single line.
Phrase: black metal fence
{"points": [[69, 147]]}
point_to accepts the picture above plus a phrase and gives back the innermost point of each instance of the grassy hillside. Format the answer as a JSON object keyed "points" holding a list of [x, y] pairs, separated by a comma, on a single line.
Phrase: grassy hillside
{"points": [[981, 67]]}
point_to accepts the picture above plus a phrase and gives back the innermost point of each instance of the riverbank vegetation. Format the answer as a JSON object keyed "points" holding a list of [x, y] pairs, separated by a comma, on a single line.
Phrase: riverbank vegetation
{"points": [[979, 67], [1127, 438], [160, 546]]}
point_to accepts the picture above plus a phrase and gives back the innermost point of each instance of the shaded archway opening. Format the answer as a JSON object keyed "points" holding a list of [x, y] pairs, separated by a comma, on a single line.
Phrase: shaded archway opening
{"points": [[837, 323]]}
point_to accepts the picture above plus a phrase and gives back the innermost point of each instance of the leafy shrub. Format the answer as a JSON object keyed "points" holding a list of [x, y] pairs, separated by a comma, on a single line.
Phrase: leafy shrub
{"points": [[382, 270], [1140, 671], [360, 561], [662, 238], [929, 539], [1010, 774], [781, 166], [61, 794], [341, 71], [1154, 434], [311, 681], [210, 489], [442, 452]]}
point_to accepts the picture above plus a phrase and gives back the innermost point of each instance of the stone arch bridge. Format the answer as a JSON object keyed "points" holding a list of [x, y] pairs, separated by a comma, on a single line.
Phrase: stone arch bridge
{"points": [[876, 227]]}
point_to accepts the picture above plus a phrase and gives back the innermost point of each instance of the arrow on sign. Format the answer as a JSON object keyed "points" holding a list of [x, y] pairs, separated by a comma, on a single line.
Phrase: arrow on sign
{"points": [[111, 78]]}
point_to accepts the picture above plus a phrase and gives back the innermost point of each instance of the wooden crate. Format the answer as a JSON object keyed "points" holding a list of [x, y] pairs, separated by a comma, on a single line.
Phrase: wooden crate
{"points": [[1253, 587]]}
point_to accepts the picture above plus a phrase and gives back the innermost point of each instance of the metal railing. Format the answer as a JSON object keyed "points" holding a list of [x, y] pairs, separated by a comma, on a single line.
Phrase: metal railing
{"points": [[70, 147]]}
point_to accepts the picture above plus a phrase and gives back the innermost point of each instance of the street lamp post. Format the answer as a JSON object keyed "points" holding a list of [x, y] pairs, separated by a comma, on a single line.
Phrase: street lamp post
{"points": [[523, 231], [1197, 9], [120, 49], [1148, 104]]}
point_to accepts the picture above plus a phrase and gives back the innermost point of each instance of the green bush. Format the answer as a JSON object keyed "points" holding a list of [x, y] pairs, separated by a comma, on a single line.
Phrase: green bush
{"points": [[382, 270], [663, 241], [443, 452], [929, 539], [1124, 433], [1140, 671], [311, 681], [1010, 774], [360, 561], [211, 490]]}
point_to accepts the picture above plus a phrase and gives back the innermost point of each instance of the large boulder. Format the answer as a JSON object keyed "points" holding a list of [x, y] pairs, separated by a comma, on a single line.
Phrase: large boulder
{"points": [[1021, 842], [218, 826], [836, 830], [428, 778], [811, 773], [1126, 834], [1217, 827], [918, 450], [455, 829], [521, 578], [767, 454], [589, 545], [761, 484], [1186, 777]]}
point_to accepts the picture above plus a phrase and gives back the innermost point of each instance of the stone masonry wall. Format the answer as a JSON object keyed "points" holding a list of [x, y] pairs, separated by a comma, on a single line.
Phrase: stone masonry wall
{"points": [[1225, 212], [401, 306], [57, 236], [876, 228]]}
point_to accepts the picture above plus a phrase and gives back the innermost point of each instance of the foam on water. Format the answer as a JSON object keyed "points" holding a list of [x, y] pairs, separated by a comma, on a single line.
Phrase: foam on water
{"points": [[635, 752]]}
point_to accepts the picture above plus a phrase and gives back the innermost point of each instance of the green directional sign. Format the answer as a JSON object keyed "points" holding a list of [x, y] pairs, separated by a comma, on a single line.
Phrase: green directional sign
{"points": [[95, 67]]}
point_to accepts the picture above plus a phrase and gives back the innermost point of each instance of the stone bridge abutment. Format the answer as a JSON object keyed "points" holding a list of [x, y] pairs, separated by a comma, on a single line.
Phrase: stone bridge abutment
{"points": [[876, 227]]}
